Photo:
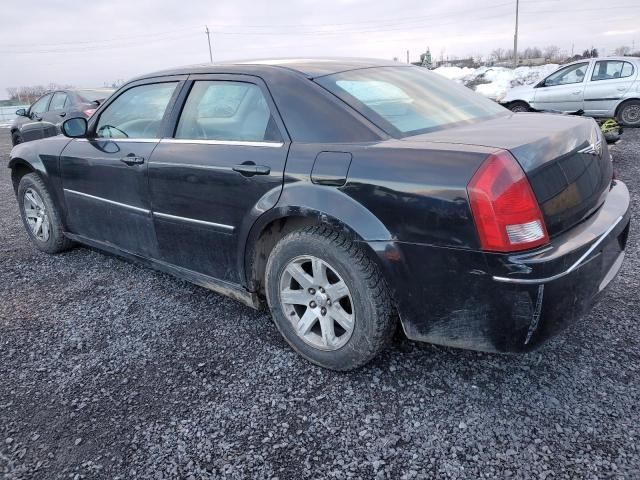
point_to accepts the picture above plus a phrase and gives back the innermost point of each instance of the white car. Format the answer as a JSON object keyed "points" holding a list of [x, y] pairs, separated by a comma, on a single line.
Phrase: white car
{"points": [[601, 87]]}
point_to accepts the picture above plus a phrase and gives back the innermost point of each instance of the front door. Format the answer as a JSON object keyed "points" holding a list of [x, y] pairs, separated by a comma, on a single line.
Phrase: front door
{"points": [[223, 164], [105, 175], [562, 91], [608, 83], [32, 129]]}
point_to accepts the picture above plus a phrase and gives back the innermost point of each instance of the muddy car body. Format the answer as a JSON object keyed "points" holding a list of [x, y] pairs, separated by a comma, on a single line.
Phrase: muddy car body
{"points": [[336, 196]]}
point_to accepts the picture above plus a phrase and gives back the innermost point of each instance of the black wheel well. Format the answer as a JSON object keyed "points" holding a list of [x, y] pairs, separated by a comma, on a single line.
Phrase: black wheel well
{"points": [[623, 103], [513, 102], [268, 238], [19, 170]]}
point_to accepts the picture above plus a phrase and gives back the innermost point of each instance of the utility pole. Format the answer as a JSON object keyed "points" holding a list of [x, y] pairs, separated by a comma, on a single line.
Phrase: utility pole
{"points": [[206, 30], [407, 57], [515, 38], [572, 46]]}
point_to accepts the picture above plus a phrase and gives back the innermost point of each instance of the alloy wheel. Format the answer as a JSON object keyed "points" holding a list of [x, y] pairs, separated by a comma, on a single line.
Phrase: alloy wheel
{"points": [[318, 303], [36, 215]]}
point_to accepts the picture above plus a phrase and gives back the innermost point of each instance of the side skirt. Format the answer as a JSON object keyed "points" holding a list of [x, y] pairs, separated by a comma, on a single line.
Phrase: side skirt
{"points": [[232, 290]]}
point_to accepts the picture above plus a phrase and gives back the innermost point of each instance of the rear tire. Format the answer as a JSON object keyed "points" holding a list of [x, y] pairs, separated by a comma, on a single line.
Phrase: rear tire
{"points": [[519, 106], [40, 217], [629, 113], [328, 299]]}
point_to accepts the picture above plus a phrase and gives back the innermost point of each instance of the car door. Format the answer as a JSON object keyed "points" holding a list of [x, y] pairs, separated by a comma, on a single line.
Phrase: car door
{"points": [[33, 129], [562, 91], [607, 84], [223, 165], [105, 175], [54, 116]]}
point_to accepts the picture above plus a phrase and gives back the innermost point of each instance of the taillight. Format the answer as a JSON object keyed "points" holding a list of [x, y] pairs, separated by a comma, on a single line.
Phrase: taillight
{"points": [[89, 111], [504, 207]]}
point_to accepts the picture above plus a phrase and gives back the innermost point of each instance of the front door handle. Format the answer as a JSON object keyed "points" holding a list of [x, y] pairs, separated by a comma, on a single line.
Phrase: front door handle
{"points": [[250, 169], [63, 114], [576, 93], [131, 159]]}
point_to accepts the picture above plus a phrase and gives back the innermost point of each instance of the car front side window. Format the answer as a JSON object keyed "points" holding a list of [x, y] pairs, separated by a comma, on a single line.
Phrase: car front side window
{"points": [[136, 113], [566, 76], [40, 106], [231, 111]]}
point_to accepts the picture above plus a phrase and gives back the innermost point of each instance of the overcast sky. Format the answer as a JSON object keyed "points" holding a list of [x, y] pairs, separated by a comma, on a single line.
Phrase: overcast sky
{"points": [[90, 43]]}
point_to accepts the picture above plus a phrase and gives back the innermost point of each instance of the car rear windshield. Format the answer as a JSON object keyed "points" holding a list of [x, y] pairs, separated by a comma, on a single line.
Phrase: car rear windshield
{"points": [[94, 95], [406, 101]]}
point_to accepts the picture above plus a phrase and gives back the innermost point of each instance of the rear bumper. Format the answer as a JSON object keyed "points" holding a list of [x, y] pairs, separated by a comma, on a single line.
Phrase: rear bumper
{"points": [[501, 302]]}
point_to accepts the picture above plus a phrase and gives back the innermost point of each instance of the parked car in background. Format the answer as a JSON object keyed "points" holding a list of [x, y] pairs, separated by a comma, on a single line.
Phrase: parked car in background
{"points": [[601, 87], [348, 195], [44, 117]]}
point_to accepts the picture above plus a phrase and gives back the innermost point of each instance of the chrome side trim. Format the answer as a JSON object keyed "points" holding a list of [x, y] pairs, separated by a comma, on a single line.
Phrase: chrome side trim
{"points": [[221, 226], [222, 142], [119, 140], [576, 265], [189, 165], [111, 202]]}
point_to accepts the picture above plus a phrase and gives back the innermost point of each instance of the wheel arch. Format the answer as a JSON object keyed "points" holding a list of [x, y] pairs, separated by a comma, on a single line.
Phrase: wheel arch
{"points": [[19, 168], [622, 103], [301, 206]]}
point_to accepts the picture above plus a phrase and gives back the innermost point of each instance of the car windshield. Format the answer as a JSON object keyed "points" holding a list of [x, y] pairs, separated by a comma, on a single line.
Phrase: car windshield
{"points": [[406, 101], [95, 94]]}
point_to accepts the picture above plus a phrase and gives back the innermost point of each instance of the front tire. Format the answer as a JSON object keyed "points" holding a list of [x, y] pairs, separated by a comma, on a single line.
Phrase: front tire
{"points": [[629, 114], [16, 138], [328, 299], [518, 107], [40, 217]]}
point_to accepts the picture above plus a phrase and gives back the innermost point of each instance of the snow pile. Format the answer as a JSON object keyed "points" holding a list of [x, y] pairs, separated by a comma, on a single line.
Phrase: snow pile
{"points": [[493, 82]]}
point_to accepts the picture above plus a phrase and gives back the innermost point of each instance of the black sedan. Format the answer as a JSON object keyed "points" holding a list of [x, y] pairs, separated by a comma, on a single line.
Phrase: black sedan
{"points": [[347, 195], [44, 117]]}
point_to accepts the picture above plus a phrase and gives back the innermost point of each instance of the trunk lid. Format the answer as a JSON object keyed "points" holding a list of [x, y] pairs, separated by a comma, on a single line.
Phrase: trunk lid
{"points": [[564, 157]]}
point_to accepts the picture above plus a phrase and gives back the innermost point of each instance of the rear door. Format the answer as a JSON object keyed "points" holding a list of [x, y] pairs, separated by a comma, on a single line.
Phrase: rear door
{"points": [[32, 129], [563, 91], [105, 176], [222, 165], [607, 84], [54, 116]]}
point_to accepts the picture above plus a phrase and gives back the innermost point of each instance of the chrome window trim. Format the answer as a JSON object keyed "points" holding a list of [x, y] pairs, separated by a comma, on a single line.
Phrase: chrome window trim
{"points": [[111, 202], [193, 220], [578, 263], [222, 142], [121, 140]]}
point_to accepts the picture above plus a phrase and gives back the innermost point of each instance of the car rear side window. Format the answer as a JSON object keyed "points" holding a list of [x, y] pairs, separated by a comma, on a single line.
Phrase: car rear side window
{"points": [[232, 111], [407, 101], [611, 69], [58, 101], [136, 113]]}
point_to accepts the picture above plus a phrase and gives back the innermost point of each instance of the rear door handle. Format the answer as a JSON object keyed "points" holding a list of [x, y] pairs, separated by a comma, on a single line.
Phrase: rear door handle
{"points": [[131, 159], [576, 93], [63, 114], [251, 169]]}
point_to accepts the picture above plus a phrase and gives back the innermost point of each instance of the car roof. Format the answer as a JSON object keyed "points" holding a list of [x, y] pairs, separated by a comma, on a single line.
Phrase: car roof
{"points": [[309, 67]]}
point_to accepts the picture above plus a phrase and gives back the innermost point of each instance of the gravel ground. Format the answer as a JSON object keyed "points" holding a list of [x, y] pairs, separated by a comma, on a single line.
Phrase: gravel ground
{"points": [[110, 370]]}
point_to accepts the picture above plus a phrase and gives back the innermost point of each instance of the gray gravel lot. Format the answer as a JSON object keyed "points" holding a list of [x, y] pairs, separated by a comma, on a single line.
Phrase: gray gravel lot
{"points": [[110, 370]]}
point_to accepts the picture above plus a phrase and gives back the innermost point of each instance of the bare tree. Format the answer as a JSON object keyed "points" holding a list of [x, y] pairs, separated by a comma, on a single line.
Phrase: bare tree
{"points": [[623, 50], [551, 52]]}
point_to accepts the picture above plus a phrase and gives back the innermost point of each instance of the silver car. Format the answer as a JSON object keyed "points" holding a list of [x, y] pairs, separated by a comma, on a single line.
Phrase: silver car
{"points": [[601, 87]]}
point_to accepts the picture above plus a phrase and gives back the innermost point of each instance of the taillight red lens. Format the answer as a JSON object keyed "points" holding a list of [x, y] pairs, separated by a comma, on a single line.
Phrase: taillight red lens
{"points": [[89, 111], [504, 207]]}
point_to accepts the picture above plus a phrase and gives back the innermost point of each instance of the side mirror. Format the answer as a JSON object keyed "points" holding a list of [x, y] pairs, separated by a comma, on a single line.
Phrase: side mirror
{"points": [[21, 112], [75, 127]]}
